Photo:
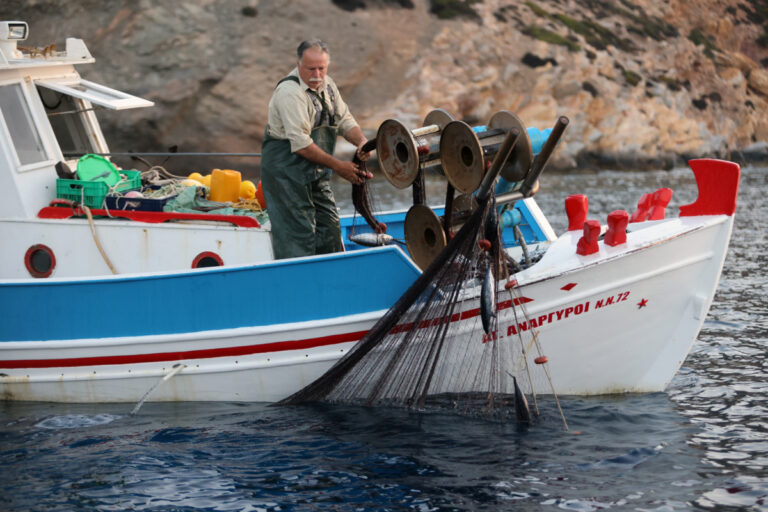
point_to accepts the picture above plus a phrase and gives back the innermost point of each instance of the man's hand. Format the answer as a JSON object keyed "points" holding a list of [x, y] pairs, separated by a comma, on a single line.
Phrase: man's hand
{"points": [[351, 172], [347, 170], [363, 156]]}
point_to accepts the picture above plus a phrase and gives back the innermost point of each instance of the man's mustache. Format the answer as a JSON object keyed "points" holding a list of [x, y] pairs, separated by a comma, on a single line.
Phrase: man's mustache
{"points": [[315, 79]]}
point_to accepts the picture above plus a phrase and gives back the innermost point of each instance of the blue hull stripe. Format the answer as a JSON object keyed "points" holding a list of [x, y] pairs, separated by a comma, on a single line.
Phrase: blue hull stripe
{"points": [[395, 227], [279, 292]]}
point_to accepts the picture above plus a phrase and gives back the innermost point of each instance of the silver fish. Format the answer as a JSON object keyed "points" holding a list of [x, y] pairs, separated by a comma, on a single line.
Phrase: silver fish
{"points": [[371, 239], [522, 411], [488, 299]]}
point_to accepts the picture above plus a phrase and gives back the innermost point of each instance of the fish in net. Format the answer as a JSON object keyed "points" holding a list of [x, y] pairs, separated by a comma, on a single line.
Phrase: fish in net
{"points": [[440, 345]]}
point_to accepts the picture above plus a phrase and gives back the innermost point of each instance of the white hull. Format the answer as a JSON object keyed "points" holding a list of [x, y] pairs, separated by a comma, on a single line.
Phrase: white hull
{"points": [[132, 247], [621, 319], [596, 336]]}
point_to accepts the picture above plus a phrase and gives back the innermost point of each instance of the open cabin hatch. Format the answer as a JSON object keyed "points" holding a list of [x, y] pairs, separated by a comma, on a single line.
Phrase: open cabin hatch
{"points": [[48, 119], [69, 106]]}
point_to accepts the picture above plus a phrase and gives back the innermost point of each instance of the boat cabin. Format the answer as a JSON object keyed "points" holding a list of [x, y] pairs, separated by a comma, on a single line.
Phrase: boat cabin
{"points": [[46, 116], [48, 121]]}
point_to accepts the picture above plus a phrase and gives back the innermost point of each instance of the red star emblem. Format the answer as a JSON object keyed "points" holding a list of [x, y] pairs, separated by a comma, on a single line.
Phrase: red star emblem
{"points": [[642, 303]]}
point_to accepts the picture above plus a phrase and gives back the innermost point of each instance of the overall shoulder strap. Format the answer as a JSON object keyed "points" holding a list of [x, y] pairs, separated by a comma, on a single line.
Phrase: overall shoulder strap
{"points": [[332, 98], [289, 78]]}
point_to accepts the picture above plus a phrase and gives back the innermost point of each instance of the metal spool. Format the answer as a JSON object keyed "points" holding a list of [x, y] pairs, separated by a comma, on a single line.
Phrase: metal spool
{"points": [[439, 118], [519, 162], [424, 235], [397, 153], [428, 138], [398, 149], [463, 206], [464, 203], [462, 156]]}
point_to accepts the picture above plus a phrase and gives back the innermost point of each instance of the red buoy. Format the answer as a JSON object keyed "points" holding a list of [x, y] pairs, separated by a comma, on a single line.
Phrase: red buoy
{"points": [[510, 284], [541, 360], [484, 244]]}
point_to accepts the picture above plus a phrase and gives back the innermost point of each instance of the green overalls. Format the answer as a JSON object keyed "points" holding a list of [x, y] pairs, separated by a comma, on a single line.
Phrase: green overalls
{"points": [[298, 193]]}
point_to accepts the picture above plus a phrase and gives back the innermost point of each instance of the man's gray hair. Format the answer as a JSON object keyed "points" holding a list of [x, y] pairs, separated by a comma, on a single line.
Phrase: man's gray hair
{"points": [[312, 43]]}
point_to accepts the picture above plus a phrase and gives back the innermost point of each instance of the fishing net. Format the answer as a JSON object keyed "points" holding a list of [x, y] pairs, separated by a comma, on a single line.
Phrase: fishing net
{"points": [[454, 340], [431, 350]]}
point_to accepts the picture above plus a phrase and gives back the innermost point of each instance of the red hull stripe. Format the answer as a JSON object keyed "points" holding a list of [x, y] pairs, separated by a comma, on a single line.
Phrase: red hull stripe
{"points": [[464, 315], [278, 346]]}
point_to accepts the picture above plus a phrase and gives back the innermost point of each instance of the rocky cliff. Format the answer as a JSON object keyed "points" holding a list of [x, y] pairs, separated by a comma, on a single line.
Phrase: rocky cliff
{"points": [[644, 82]]}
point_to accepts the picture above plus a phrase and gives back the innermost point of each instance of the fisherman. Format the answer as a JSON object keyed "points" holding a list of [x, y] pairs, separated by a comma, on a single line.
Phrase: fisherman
{"points": [[306, 114]]}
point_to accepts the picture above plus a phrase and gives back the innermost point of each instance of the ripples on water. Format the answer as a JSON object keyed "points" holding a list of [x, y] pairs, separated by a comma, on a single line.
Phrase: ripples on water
{"points": [[701, 445]]}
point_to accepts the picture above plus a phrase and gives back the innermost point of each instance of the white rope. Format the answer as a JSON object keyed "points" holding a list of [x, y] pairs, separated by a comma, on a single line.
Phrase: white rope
{"points": [[96, 239]]}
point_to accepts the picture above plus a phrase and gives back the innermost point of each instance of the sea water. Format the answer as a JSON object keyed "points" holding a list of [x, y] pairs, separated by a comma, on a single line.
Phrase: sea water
{"points": [[701, 445]]}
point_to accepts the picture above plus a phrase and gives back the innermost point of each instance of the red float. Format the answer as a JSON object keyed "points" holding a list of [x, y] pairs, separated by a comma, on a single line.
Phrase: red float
{"points": [[576, 208], [659, 201], [643, 206], [588, 242], [617, 228]]}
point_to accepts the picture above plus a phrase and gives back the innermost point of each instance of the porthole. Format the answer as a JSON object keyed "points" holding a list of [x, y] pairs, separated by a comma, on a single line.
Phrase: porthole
{"points": [[207, 259], [40, 261]]}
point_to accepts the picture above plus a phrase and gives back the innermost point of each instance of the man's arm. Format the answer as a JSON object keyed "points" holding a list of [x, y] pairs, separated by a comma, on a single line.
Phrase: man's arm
{"points": [[356, 137], [347, 170]]}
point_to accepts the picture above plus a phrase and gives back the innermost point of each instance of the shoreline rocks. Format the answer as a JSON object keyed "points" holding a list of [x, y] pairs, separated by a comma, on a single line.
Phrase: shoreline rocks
{"points": [[645, 83]]}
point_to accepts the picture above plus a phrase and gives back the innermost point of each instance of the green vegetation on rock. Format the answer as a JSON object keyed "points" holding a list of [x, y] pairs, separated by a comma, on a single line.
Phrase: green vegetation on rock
{"points": [[699, 39], [548, 36], [538, 11], [631, 77], [593, 33], [449, 9], [673, 84], [653, 27]]}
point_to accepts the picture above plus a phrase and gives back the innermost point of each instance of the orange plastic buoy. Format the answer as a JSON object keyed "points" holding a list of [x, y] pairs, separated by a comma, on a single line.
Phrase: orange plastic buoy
{"points": [[196, 176], [247, 189], [510, 284], [260, 196], [225, 185], [541, 360]]}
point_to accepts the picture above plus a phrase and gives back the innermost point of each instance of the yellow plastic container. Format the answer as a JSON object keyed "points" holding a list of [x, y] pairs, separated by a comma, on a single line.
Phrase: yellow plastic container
{"points": [[225, 185], [247, 189]]}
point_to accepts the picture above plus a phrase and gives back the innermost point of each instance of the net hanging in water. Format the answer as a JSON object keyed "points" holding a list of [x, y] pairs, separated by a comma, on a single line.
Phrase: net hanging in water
{"points": [[440, 345]]}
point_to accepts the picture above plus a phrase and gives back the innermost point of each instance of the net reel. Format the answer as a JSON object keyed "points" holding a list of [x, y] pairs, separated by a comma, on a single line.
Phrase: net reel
{"points": [[452, 147], [402, 152], [456, 150], [465, 150], [424, 235]]}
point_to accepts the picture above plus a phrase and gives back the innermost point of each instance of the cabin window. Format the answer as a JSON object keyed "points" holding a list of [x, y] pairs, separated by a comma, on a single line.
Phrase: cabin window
{"points": [[96, 94], [21, 126], [40, 261], [207, 259], [67, 117]]}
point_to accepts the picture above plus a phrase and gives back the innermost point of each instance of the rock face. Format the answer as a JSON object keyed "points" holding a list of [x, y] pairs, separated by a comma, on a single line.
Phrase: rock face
{"points": [[644, 83]]}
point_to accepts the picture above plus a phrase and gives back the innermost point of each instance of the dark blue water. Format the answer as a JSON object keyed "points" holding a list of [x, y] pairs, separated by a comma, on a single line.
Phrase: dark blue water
{"points": [[701, 445]]}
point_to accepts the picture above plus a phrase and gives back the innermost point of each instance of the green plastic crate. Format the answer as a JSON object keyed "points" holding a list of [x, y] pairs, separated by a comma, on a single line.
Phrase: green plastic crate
{"points": [[92, 193]]}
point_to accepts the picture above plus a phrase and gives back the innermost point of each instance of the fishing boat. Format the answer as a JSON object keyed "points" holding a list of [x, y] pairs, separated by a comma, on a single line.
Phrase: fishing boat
{"points": [[104, 303]]}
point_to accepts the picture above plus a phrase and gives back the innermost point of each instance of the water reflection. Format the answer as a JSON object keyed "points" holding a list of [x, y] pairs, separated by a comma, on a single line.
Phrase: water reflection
{"points": [[722, 388], [702, 444]]}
